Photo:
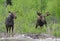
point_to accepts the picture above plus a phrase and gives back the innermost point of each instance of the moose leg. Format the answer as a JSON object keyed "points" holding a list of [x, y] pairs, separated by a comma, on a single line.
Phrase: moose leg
{"points": [[45, 23], [7, 28], [47, 29], [12, 28], [36, 25]]}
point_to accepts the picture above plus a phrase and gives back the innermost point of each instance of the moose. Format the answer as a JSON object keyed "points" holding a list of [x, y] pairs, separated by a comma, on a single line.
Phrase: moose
{"points": [[9, 22], [9, 2], [41, 19]]}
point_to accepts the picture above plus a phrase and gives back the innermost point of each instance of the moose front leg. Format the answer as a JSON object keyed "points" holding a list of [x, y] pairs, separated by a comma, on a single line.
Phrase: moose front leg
{"points": [[36, 25], [7, 28], [12, 30]]}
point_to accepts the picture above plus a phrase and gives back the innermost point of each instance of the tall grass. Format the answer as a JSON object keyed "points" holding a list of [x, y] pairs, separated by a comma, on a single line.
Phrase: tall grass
{"points": [[26, 16]]}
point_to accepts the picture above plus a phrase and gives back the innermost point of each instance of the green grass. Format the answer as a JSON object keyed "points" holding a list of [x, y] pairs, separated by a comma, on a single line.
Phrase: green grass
{"points": [[26, 16], [56, 30]]}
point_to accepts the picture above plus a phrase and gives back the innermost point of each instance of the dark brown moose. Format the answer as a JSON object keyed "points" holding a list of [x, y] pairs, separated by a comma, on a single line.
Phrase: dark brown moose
{"points": [[9, 22], [9, 2], [41, 19]]}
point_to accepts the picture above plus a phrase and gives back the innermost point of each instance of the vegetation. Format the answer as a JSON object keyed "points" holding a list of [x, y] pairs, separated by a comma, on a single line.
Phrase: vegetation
{"points": [[26, 15]]}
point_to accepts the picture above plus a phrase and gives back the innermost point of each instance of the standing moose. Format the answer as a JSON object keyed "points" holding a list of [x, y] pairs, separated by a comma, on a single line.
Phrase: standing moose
{"points": [[9, 2], [9, 22], [41, 20]]}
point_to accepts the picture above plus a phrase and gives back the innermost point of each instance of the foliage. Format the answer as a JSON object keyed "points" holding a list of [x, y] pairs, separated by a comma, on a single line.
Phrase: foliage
{"points": [[26, 14]]}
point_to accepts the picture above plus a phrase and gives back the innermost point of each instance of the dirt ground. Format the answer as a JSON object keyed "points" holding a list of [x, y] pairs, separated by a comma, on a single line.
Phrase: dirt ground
{"points": [[27, 37]]}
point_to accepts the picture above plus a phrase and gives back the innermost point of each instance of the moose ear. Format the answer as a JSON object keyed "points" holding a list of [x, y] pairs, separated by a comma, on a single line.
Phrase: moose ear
{"points": [[38, 13], [47, 13], [9, 11]]}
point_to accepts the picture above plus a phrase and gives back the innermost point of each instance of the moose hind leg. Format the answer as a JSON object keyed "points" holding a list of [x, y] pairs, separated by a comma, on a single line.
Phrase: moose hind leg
{"points": [[45, 23], [12, 28]]}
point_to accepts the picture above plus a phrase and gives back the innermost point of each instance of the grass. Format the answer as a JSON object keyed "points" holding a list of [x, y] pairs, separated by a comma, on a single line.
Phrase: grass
{"points": [[26, 16]]}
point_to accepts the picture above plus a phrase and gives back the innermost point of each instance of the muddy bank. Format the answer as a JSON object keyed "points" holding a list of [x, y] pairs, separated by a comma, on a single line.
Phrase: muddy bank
{"points": [[27, 37]]}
